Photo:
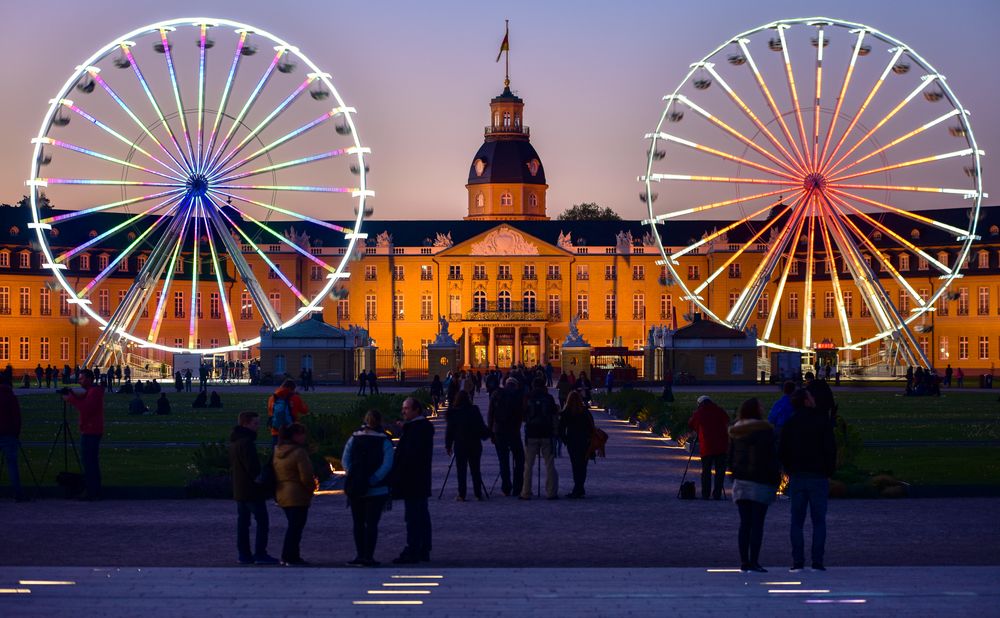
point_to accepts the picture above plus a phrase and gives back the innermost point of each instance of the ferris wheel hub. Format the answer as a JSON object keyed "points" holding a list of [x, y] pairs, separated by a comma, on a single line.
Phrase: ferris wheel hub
{"points": [[814, 182], [197, 185]]}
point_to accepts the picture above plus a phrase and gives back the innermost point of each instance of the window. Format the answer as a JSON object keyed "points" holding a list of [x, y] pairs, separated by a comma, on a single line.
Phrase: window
{"points": [[610, 272], [736, 365], [553, 273], [25, 300], [764, 305], [4, 259], [529, 302], [214, 305], [397, 306], [922, 263], [638, 273], [638, 306], [315, 273], [610, 307], [554, 303], [849, 303], [866, 311], [943, 352], [370, 306], [4, 300], [532, 200], [84, 262], [85, 349], [480, 201], [426, 308], [506, 120], [582, 272], [426, 272], [64, 348], [983, 308], [123, 265], [479, 272], [554, 350], [454, 272], [503, 301], [666, 306], [963, 301], [279, 364], [942, 305], [925, 347], [733, 297], [794, 269], [963, 348], [24, 349], [455, 305], [25, 259], [693, 273], [63, 303], [371, 272], [942, 257], [793, 305], [904, 261], [121, 298], [103, 303], [246, 306], [343, 309], [178, 304], [529, 272], [904, 303], [140, 262], [734, 271], [102, 262], [275, 299], [4, 349], [583, 306], [983, 260], [272, 273], [709, 364], [397, 272], [503, 271], [43, 348], [984, 348], [479, 301], [506, 199]]}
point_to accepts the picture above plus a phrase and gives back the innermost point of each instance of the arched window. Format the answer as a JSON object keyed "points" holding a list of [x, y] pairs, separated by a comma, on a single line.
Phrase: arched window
{"points": [[479, 301], [915, 234], [506, 120], [533, 200], [506, 199], [503, 301], [480, 200], [877, 235], [517, 121], [496, 119], [528, 301], [994, 230]]}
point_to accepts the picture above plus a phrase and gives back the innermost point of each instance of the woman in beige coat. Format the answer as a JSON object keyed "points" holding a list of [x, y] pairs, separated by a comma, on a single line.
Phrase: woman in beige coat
{"points": [[295, 484]]}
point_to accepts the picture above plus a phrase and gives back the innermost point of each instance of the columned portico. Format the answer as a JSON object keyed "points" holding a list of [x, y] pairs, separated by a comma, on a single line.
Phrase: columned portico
{"points": [[517, 345]]}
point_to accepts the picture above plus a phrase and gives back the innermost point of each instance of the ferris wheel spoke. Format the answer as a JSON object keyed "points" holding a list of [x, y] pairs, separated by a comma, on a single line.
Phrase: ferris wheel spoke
{"points": [[286, 138], [42, 182], [297, 188], [285, 211], [705, 207], [788, 238], [739, 251], [849, 74], [896, 141], [177, 97], [793, 91], [217, 268], [195, 263], [80, 213], [735, 133], [284, 165], [168, 277], [749, 113], [68, 255], [968, 193], [226, 92], [766, 91], [891, 233], [864, 104], [201, 94], [819, 94], [724, 179], [926, 81], [960, 233], [733, 226], [263, 124], [104, 157], [807, 300], [838, 292], [238, 121], [912, 162]]}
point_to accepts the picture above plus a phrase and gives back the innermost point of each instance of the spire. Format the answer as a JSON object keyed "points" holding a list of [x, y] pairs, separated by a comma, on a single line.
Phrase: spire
{"points": [[505, 47]]}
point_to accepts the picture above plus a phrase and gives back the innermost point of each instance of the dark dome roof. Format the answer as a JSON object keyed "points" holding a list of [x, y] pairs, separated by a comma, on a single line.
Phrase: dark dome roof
{"points": [[507, 161]]}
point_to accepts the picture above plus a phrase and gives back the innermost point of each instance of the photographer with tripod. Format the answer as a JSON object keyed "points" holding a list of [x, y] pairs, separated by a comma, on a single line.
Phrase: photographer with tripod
{"points": [[90, 404], [10, 434]]}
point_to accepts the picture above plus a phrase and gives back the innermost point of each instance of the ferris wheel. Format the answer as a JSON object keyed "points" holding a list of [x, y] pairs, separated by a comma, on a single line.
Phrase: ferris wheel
{"points": [[198, 150], [832, 153]]}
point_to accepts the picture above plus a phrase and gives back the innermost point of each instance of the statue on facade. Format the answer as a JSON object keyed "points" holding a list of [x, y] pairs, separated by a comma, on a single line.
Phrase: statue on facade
{"points": [[565, 240], [623, 242], [443, 241], [573, 338], [443, 336], [359, 335], [383, 240]]}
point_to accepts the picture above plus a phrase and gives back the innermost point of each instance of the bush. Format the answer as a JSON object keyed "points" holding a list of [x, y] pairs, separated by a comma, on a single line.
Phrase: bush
{"points": [[211, 459]]}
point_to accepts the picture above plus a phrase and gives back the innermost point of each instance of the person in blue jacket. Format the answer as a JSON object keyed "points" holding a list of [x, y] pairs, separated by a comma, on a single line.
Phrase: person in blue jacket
{"points": [[368, 461]]}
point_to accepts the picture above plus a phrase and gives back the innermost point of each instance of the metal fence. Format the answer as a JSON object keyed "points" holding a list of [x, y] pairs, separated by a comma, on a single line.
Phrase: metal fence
{"points": [[408, 364]]}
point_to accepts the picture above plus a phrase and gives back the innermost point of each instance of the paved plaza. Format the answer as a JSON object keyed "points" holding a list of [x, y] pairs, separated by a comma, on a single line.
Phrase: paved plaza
{"points": [[630, 547]]}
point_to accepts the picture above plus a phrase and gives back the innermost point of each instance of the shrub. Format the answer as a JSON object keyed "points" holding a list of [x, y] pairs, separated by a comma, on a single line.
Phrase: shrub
{"points": [[211, 459]]}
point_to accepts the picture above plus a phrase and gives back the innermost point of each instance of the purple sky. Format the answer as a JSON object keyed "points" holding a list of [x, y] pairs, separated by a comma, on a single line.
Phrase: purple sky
{"points": [[422, 74]]}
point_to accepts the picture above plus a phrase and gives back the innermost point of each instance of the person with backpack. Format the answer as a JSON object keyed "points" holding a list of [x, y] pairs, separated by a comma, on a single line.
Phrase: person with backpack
{"points": [[541, 419], [248, 491], [284, 407], [368, 460], [294, 485], [411, 476], [576, 426], [504, 420], [753, 460], [463, 437]]}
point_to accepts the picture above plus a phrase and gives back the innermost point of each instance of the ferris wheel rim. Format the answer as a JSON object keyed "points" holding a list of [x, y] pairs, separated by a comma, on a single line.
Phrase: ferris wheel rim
{"points": [[966, 237], [362, 193]]}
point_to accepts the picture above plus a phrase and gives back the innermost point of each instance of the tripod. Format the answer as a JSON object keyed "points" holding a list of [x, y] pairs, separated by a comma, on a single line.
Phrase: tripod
{"points": [[66, 434], [482, 485], [27, 463]]}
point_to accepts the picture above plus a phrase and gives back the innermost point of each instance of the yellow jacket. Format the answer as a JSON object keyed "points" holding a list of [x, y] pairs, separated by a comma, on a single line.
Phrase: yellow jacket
{"points": [[294, 474]]}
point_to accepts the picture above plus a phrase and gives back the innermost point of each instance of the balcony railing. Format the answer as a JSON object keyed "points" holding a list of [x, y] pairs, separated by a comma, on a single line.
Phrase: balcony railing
{"points": [[638, 276], [555, 316], [426, 316], [215, 315], [504, 276], [454, 276], [479, 276], [553, 277], [610, 315], [530, 277], [583, 276], [983, 310], [638, 315], [513, 311], [426, 276], [46, 310], [525, 131], [370, 277], [343, 315]]}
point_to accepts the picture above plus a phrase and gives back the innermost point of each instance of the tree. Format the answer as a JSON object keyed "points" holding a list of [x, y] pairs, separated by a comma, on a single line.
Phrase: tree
{"points": [[588, 211], [43, 201]]}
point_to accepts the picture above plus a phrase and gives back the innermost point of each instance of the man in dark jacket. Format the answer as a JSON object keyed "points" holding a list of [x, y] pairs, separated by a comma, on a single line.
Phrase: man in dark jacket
{"points": [[712, 424], [244, 465], [10, 434], [412, 481], [504, 419], [822, 395], [541, 419], [808, 453]]}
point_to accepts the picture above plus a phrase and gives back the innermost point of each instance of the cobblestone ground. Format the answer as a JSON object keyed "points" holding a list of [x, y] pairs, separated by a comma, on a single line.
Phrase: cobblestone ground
{"points": [[630, 518]]}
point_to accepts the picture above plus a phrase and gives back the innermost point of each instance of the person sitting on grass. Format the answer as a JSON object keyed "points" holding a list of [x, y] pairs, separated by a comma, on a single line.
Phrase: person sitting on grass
{"points": [[163, 404], [200, 401], [136, 407], [215, 401]]}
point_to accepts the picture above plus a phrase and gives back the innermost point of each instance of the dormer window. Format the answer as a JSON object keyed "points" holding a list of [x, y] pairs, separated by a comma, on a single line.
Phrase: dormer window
{"points": [[480, 166], [994, 230], [24, 259], [85, 262], [14, 230], [93, 234], [533, 166], [102, 261], [915, 234], [4, 259]]}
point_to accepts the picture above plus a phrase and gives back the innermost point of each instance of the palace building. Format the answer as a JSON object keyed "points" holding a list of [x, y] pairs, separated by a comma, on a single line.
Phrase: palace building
{"points": [[508, 278]]}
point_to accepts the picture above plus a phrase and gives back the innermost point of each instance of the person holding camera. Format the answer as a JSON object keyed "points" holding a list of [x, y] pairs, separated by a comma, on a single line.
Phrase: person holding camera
{"points": [[712, 424], [90, 404]]}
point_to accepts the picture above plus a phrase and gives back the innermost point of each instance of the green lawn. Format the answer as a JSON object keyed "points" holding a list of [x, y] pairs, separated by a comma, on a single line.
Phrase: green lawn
{"points": [[940, 465]]}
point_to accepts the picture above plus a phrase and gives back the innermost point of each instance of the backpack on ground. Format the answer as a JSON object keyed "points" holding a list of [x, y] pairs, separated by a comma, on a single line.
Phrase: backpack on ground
{"points": [[540, 416], [281, 413], [686, 491]]}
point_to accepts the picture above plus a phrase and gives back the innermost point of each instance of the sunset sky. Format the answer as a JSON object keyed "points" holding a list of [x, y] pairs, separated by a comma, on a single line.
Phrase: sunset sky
{"points": [[421, 75]]}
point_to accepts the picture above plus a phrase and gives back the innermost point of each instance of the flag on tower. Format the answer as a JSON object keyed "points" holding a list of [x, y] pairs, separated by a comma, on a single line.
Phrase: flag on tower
{"points": [[504, 47]]}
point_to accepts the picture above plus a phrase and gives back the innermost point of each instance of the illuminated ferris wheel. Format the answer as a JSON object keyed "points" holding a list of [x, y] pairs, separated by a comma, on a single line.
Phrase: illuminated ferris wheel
{"points": [[832, 152], [188, 146]]}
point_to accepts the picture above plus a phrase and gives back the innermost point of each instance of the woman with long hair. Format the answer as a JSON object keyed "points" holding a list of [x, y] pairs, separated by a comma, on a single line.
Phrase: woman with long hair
{"points": [[368, 460], [464, 437], [754, 464], [576, 425]]}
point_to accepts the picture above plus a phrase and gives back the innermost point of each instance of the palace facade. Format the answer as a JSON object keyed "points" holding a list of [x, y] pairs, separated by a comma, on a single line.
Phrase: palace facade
{"points": [[508, 279]]}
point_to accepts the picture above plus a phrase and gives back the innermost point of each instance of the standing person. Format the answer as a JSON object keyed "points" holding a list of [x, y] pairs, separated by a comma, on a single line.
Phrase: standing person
{"points": [[178, 381], [187, 379], [10, 435], [576, 425], [248, 492], [504, 420], [368, 460], [294, 485], [463, 437], [711, 422], [808, 453], [822, 394], [563, 388], [960, 377], [284, 407], [437, 392], [754, 464], [362, 382], [609, 381], [782, 409], [39, 374], [541, 420], [947, 375], [90, 404], [304, 379], [412, 481], [372, 381], [583, 385]]}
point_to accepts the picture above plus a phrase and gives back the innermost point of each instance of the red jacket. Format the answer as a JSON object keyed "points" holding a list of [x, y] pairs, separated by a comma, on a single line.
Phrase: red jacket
{"points": [[91, 407], [298, 407], [712, 425], [10, 412]]}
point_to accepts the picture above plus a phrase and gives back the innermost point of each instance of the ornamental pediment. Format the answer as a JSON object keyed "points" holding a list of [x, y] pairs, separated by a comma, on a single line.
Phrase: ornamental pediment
{"points": [[504, 240]]}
